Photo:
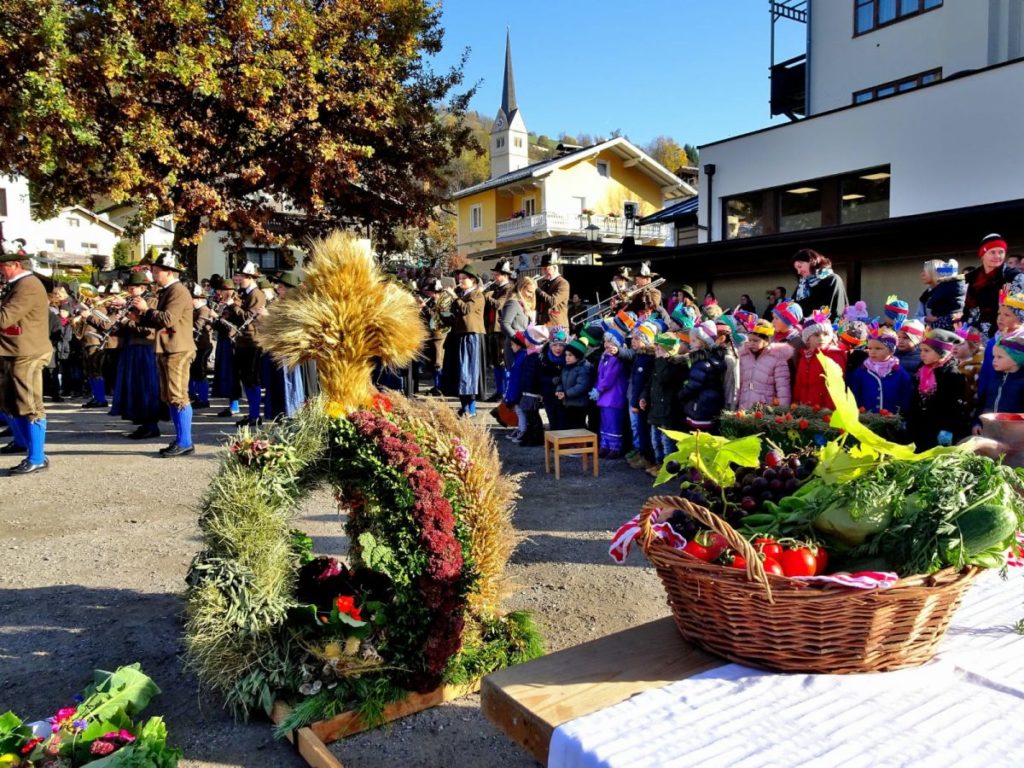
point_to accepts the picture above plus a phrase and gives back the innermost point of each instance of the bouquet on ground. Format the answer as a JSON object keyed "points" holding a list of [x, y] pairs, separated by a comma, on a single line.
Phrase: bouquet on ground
{"points": [[99, 730]]}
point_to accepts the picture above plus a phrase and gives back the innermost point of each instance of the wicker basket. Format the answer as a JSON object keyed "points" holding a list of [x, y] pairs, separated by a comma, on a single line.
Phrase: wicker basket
{"points": [[778, 623]]}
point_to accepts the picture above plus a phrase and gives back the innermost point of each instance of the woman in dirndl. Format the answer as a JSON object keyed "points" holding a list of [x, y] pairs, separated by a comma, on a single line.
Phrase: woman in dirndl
{"points": [[225, 378], [137, 392], [464, 346]]}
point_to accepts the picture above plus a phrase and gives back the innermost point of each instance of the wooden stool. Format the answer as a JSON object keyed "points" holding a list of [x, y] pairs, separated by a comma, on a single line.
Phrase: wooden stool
{"points": [[567, 442]]}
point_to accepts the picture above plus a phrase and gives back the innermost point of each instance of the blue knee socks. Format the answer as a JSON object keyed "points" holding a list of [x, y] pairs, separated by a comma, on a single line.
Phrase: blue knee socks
{"points": [[99, 390], [234, 406], [36, 433], [18, 430], [203, 391], [183, 425], [499, 380]]}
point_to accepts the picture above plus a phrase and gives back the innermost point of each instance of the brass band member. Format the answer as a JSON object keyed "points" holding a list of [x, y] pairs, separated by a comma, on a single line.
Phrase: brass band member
{"points": [[202, 332], [462, 358], [248, 355], [500, 291], [25, 350], [437, 317], [646, 297], [175, 347], [226, 319], [92, 355], [620, 285], [552, 293]]}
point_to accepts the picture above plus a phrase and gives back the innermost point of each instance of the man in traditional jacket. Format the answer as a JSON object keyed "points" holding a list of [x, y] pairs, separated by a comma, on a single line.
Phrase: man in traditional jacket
{"points": [[25, 349], [552, 293]]}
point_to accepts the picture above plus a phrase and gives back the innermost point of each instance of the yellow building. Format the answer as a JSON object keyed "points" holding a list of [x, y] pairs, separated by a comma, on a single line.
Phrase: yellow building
{"points": [[582, 201]]}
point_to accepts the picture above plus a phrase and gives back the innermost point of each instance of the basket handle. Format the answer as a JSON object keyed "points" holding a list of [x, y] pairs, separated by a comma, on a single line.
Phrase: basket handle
{"points": [[755, 570]]}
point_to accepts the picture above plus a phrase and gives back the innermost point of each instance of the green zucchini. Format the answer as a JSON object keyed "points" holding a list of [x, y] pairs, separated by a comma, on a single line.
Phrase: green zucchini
{"points": [[984, 527]]}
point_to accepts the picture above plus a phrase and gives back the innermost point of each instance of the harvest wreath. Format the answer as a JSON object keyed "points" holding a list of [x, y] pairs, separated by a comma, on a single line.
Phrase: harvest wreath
{"points": [[428, 520]]}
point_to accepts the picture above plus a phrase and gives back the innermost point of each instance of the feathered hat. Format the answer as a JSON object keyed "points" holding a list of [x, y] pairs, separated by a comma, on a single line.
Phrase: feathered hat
{"points": [[896, 310], [788, 312], [817, 323], [882, 334]]}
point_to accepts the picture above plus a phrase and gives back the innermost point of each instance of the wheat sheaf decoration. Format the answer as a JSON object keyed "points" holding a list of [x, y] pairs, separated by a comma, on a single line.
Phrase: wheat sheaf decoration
{"points": [[345, 316]]}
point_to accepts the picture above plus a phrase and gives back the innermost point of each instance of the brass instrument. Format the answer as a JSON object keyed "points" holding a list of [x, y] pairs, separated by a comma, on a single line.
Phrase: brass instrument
{"points": [[120, 317], [599, 310]]}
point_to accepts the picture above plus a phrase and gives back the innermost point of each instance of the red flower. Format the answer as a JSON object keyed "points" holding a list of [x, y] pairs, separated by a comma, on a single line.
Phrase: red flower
{"points": [[31, 744], [826, 418], [355, 614], [862, 409], [381, 403], [803, 423], [779, 420], [757, 414], [345, 603], [884, 412]]}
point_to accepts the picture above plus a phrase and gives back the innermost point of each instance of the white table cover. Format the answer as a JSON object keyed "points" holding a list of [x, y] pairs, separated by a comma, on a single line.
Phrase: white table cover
{"points": [[964, 708]]}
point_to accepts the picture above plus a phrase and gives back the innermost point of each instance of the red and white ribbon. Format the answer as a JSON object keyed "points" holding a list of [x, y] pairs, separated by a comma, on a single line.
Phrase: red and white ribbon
{"points": [[629, 532], [861, 580]]}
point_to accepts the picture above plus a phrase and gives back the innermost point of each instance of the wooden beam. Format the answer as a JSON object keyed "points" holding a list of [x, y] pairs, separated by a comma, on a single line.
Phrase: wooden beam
{"points": [[529, 701], [631, 163]]}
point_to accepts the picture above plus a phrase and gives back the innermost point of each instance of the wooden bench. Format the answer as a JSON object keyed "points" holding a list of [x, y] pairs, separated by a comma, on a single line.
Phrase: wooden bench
{"points": [[530, 700], [565, 442]]}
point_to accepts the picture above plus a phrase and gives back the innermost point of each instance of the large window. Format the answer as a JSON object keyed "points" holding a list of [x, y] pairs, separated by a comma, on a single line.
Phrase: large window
{"points": [[265, 258], [826, 202], [871, 14], [897, 86], [476, 217], [744, 216], [864, 197]]}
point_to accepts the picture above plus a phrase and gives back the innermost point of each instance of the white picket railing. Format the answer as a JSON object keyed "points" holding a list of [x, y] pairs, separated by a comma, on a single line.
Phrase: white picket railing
{"points": [[576, 223]]}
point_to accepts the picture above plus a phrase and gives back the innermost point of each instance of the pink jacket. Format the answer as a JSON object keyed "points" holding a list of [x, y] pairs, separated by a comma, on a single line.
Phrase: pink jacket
{"points": [[766, 377]]}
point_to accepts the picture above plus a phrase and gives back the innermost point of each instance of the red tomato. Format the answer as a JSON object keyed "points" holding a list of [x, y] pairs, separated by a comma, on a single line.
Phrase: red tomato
{"points": [[798, 562], [820, 560], [715, 543], [738, 561], [768, 547], [697, 550], [771, 565]]}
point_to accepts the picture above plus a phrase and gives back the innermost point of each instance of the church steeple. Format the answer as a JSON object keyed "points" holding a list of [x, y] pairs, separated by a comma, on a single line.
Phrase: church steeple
{"points": [[509, 139]]}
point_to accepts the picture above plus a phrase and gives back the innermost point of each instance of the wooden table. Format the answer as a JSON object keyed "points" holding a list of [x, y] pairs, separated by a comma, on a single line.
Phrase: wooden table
{"points": [[530, 700], [566, 442]]}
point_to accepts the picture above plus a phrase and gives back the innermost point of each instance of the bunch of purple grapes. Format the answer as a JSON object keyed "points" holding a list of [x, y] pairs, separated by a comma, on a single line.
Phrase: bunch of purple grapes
{"points": [[776, 477]]}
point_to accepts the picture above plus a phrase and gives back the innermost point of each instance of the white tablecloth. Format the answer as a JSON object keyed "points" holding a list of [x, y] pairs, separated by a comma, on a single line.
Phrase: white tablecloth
{"points": [[965, 708]]}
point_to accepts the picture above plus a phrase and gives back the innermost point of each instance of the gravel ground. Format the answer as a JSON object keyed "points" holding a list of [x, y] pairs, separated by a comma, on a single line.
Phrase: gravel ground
{"points": [[96, 548]]}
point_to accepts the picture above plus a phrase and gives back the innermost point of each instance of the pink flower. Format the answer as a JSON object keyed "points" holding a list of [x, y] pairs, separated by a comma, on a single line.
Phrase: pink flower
{"points": [[101, 748]]}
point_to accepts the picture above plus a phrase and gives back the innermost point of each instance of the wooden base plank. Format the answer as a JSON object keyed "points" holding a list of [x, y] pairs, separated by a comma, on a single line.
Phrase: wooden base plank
{"points": [[530, 700], [312, 741]]}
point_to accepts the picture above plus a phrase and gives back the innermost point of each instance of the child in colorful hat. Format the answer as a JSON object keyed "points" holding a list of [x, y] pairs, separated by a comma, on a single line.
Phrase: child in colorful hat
{"points": [[729, 340], [764, 369], [660, 400], [937, 413], [641, 342], [809, 384], [610, 395], [703, 393], [881, 384], [970, 355], [1004, 391], [575, 383], [854, 338], [521, 387], [552, 360], [896, 310], [1009, 320], [786, 318], [908, 339], [685, 316]]}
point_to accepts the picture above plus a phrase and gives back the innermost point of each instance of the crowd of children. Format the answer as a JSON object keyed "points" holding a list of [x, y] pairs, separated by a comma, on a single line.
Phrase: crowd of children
{"points": [[633, 375]]}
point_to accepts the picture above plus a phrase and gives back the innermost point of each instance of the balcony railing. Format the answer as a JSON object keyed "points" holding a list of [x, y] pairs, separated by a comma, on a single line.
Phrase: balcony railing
{"points": [[553, 222]]}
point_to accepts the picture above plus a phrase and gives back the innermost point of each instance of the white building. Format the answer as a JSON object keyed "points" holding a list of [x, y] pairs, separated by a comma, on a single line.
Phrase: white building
{"points": [[907, 147], [75, 237]]}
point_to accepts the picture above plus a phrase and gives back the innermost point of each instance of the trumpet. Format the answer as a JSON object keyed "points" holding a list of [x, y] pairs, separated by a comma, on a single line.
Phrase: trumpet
{"points": [[602, 307]]}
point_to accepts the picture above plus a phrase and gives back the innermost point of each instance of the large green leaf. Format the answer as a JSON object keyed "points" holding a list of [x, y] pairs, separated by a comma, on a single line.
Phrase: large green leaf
{"points": [[128, 689], [712, 455]]}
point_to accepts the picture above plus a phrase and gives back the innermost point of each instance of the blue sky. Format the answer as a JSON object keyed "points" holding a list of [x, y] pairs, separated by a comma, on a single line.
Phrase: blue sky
{"points": [[695, 70]]}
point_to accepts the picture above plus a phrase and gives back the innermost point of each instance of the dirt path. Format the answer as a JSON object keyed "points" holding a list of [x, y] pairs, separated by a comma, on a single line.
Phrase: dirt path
{"points": [[95, 551]]}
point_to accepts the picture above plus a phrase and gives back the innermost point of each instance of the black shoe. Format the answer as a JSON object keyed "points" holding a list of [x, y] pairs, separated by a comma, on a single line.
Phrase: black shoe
{"points": [[25, 468], [176, 450], [6, 432], [95, 404], [435, 392], [200, 404], [12, 448], [143, 433], [173, 445], [226, 412], [495, 398], [247, 422]]}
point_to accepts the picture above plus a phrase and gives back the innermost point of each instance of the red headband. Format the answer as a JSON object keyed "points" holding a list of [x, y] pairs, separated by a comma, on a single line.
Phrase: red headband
{"points": [[990, 245]]}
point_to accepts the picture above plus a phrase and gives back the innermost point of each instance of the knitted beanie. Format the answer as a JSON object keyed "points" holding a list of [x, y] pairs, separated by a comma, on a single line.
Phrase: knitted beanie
{"points": [[788, 312]]}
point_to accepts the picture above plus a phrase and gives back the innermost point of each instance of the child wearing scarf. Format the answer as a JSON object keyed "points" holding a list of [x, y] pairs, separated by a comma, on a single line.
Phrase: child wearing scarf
{"points": [[1005, 391], [521, 390], [908, 339], [610, 395], [969, 355], [854, 339], [881, 384], [703, 394], [938, 405], [1009, 320], [809, 385]]}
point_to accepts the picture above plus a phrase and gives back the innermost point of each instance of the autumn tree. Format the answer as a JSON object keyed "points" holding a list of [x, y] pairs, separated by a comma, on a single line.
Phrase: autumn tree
{"points": [[213, 110], [667, 152]]}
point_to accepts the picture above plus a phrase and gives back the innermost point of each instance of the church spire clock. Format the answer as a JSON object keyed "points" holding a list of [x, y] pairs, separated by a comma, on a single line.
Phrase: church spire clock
{"points": [[509, 148]]}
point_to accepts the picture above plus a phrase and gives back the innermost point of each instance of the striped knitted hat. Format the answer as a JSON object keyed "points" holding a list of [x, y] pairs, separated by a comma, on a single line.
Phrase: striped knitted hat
{"points": [[668, 341], [646, 332], [1013, 345], [705, 332], [943, 342], [883, 335], [788, 312], [896, 310], [855, 334], [536, 335], [914, 330], [614, 336]]}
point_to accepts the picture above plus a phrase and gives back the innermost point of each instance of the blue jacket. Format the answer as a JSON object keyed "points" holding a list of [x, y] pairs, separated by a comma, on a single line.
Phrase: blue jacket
{"points": [[643, 366], [549, 373], [943, 301], [703, 393], [1003, 393], [522, 379], [910, 361], [987, 374], [577, 381], [891, 393]]}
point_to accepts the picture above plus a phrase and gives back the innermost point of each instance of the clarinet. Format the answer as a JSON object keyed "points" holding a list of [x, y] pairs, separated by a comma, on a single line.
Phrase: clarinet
{"points": [[121, 316]]}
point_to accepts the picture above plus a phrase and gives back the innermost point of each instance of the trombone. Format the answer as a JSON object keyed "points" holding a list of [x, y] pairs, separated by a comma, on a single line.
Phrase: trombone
{"points": [[600, 310]]}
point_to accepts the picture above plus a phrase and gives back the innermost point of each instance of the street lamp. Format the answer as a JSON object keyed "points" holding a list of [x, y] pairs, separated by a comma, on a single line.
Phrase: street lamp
{"points": [[593, 235]]}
